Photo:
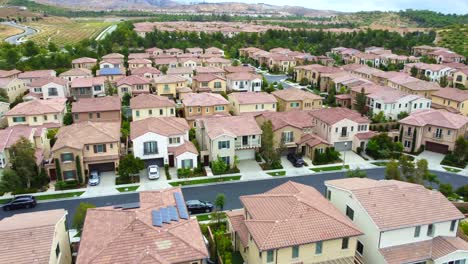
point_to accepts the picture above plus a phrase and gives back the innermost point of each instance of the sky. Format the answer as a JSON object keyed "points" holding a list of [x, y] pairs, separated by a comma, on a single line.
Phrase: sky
{"points": [[444, 6]]}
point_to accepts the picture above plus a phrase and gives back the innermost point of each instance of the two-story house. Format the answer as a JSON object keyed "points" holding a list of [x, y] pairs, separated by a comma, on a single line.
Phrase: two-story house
{"points": [[88, 87], [452, 98], [114, 56], [151, 105], [202, 105], [166, 85], [208, 83], [244, 82], [138, 63], [401, 222], [76, 73], [111, 64], [48, 113], [111, 74], [84, 63], [4, 107], [197, 51], [460, 78], [436, 130], [47, 88], [99, 109], [433, 72], [251, 102], [411, 85], [228, 137], [14, 88], [11, 74], [153, 52], [341, 127], [184, 72], [218, 62], [292, 223], [147, 72], [133, 85], [296, 99], [163, 140], [29, 76], [94, 145], [210, 70]]}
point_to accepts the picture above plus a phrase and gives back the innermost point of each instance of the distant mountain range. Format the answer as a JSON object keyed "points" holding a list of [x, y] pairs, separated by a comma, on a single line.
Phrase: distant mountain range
{"points": [[188, 6]]}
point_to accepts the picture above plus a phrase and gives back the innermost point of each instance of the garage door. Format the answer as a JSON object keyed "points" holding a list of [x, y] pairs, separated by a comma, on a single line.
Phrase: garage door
{"points": [[436, 147], [245, 154], [342, 146], [159, 162], [102, 167]]}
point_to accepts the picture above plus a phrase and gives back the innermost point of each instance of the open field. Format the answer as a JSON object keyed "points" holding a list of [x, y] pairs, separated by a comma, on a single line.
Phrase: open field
{"points": [[7, 31], [63, 31]]}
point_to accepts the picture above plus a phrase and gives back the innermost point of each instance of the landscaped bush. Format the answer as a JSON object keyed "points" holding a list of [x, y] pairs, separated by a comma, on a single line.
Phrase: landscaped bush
{"points": [[451, 160], [382, 147], [258, 158], [330, 155], [66, 185], [24, 191], [168, 174], [190, 173]]}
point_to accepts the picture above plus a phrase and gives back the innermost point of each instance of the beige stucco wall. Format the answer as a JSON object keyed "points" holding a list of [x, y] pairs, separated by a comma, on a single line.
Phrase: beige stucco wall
{"points": [[237, 108], [144, 113], [306, 104], [62, 239], [108, 116], [211, 84], [460, 106], [171, 90], [55, 118], [67, 166], [131, 89], [14, 89], [423, 134]]}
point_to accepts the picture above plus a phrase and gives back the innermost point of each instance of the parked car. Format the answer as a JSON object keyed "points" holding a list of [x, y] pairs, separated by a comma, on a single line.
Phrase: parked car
{"points": [[94, 178], [153, 172], [20, 201], [296, 160], [197, 206]]}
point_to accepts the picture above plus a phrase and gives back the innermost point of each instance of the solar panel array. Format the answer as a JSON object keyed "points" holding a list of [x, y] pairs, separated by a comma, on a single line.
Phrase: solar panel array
{"points": [[165, 215], [181, 205], [170, 213], [157, 218], [174, 215]]}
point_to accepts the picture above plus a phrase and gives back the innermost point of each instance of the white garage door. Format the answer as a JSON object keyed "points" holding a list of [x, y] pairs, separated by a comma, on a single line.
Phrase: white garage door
{"points": [[245, 154]]}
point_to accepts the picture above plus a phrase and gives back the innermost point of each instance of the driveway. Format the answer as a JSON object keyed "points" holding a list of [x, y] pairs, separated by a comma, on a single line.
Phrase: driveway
{"points": [[147, 184], [354, 160], [105, 187], [433, 159], [250, 170]]}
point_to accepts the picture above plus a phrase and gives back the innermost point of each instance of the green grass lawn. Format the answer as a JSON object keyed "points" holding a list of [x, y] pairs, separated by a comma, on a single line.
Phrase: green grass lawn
{"points": [[277, 173], [50, 196], [380, 163], [203, 181], [206, 217], [128, 188], [331, 168], [451, 169]]}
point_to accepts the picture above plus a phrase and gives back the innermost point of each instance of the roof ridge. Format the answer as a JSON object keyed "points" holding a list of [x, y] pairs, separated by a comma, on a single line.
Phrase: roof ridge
{"points": [[183, 240]]}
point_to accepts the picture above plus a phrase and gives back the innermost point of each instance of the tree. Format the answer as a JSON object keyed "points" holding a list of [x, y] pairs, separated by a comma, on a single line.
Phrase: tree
{"points": [[304, 82], [79, 173], [11, 181], [331, 99], [414, 71], [4, 96], [446, 189], [356, 173], [392, 172], [51, 133], [280, 86], [220, 201], [12, 56], [23, 160], [52, 47], [422, 171], [407, 168], [80, 215], [30, 49], [463, 192], [58, 170], [219, 166], [126, 99], [129, 166], [68, 119], [443, 81], [268, 150], [402, 115], [460, 150], [235, 63], [163, 69], [361, 102]]}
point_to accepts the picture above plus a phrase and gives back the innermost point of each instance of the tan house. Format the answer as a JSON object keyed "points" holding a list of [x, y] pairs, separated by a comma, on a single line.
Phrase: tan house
{"points": [[134, 85], [208, 83], [436, 130], [150, 105], [88, 87], [14, 88], [311, 73], [113, 56], [251, 102], [166, 85], [282, 62], [47, 113], [453, 98], [153, 52], [210, 70], [236, 69], [147, 72], [84, 63], [218, 62], [292, 223], [154, 238], [194, 51], [413, 85], [111, 74], [138, 63], [99, 109], [200, 105], [295, 99], [96, 146], [460, 78], [29, 76], [11, 74], [36, 237], [141, 55], [76, 73]]}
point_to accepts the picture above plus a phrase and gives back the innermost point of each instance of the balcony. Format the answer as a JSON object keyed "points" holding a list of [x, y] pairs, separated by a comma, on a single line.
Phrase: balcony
{"points": [[251, 143], [344, 135]]}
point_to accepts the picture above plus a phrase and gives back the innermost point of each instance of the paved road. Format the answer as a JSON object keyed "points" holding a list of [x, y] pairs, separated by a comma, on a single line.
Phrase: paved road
{"points": [[277, 78], [17, 39], [106, 32], [231, 190]]}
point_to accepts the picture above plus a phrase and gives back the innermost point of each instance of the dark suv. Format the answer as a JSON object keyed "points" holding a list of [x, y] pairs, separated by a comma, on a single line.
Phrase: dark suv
{"points": [[197, 206], [296, 160], [20, 201]]}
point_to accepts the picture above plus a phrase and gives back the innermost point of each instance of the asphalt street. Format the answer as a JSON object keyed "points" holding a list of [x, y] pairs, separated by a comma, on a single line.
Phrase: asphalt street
{"points": [[17, 38], [232, 191]]}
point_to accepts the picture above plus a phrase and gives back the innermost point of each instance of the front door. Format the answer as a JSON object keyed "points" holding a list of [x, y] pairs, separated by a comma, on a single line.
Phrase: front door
{"points": [[206, 160], [245, 140], [53, 174], [171, 160]]}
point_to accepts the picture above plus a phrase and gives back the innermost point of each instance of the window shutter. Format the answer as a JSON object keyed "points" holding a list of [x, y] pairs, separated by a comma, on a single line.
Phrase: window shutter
{"points": [[104, 147], [219, 144], [95, 148], [228, 144]]}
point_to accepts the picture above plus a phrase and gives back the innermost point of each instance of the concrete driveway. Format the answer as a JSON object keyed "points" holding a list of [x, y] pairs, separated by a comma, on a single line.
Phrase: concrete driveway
{"points": [[147, 184], [250, 170], [354, 160], [105, 187]]}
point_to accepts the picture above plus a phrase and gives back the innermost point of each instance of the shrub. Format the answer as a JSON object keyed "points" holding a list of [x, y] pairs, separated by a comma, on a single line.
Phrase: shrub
{"points": [[24, 191], [357, 173], [219, 166], [66, 185], [184, 173], [258, 158], [168, 174], [359, 150], [451, 160]]}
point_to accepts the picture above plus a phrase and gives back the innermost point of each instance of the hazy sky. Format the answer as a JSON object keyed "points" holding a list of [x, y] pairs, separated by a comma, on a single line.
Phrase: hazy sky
{"points": [[445, 6]]}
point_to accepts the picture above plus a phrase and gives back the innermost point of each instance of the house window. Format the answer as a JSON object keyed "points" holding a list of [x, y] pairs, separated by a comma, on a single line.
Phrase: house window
{"points": [[217, 85], [417, 231], [438, 133], [77, 116], [430, 230], [199, 109], [190, 109], [100, 148], [55, 117], [111, 145], [19, 119], [226, 160], [224, 144], [53, 91], [219, 108], [45, 117], [270, 256], [172, 111], [294, 105], [187, 163], [139, 87], [174, 140], [207, 109], [407, 144], [98, 115], [360, 248], [329, 195], [137, 113], [90, 115], [288, 137], [150, 147], [452, 225], [150, 112], [345, 243], [66, 157], [349, 212], [295, 252], [204, 84], [57, 250], [318, 247], [69, 175], [35, 119], [97, 88]]}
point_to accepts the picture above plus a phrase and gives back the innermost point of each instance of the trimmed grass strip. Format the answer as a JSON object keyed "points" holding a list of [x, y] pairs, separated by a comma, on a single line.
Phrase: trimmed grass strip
{"points": [[206, 217], [204, 181], [128, 188], [277, 173], [451, 169], [331, 168], [58, 196], [380, 163]]}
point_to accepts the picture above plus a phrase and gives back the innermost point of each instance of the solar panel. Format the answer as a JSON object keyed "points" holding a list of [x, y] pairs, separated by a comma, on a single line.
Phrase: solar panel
{"points": [[173, 213], [165, 215], [157, 218], [181, 205], [127, 206]]}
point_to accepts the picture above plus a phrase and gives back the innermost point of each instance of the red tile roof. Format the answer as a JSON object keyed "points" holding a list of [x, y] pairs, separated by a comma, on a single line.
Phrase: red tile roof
{"points": [[454, 94], [253, 98], [80, 134], [295, 118], [188, 146], [43, 81], [235, 126], [98, 104], [84, 60], [203, 99], [293, 94], [336, 114], [434, 117], [150, 101], [165, 126], [133, 80], [207, 77], [38, 107]]}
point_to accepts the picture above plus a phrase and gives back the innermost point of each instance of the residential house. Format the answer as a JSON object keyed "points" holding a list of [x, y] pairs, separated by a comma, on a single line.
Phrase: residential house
{"points": [[194, 51], [107, 230], [184, 72], [460, 78], [247, 52], [133, 85], [208, 83], [47, 88], [153, 52], [35, 237], [372, 60], [295, 99], [28, 76], [453, 99], [443, 56], [251, 102], [113, 56], [230, 138], [413, 85], [210, 70], [76, 73], [150, 105], [202, 105], [292, 223], [111, 64], [170, 62], [401, 222], [47, 113], [99, 109], [190, 63], [147, 72], [111, 74], [214, 51], [436, 130], [166, 85], [11, 74], [138, 63], [143, 55], [281, 62], [424, 50], [244, 82], [14, 88], [84, 63], [164, 140], [340, 127], [88, 87], [236, 69], [218, 62], [311, 74], [173, 51], [94, 145], [433, 72]]}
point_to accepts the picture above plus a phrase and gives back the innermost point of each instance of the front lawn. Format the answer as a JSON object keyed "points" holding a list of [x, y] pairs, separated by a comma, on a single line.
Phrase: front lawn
{"points": [[205, 181], [380, 163], [128, 188], [330, 168], [58, 196], [451, 169], [206, 217], [277, 173]]}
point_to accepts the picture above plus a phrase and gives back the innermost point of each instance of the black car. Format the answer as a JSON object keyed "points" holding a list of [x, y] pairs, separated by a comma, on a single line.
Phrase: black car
{"points": [[296, 160], [197, 206], [20, 201]]}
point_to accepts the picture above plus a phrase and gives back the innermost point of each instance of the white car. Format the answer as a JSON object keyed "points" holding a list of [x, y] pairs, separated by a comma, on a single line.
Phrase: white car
{"points": [[94, 178], [153, 172]]}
